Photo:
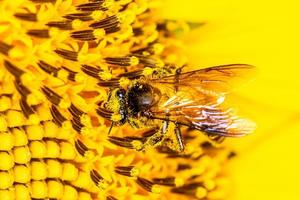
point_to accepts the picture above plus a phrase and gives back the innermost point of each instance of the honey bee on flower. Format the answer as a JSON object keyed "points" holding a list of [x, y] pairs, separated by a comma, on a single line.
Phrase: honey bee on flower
{"points": [[187, 99], [72, 70]]}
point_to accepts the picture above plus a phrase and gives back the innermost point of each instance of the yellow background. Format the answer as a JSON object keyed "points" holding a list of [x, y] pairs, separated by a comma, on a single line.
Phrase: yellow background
{"points": [[265, 34]]}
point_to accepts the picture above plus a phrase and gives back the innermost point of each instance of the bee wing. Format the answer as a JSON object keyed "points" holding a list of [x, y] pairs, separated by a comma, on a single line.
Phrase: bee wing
{"points": [[183, 108], [210, 81]]}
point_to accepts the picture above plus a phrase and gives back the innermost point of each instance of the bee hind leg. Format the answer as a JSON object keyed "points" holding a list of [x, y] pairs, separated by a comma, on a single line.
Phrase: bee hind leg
{"points": [[156, 138], [179, 138]]}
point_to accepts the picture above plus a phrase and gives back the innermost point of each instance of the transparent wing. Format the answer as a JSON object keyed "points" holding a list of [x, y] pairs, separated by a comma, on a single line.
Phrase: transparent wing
{"points": [[195, 98], [208, 81], [185, 109]]}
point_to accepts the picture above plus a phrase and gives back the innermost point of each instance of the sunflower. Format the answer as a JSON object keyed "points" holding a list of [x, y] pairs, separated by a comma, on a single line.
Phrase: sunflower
{"points": [[58, 59]]}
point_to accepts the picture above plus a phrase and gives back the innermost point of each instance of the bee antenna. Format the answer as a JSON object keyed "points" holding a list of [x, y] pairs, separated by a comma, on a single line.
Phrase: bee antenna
{"points": [[110, 128]]}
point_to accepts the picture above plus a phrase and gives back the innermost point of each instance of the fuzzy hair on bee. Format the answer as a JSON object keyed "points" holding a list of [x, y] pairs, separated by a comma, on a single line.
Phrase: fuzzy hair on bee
{"points": [[192, 99]]}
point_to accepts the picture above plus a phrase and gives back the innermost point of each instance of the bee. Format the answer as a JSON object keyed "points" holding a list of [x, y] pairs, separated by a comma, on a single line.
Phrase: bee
{"points": [[192, 99]]}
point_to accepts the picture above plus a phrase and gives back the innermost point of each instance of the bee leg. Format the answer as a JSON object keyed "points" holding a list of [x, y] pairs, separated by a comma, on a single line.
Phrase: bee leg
{"points": [[155, 139], [165, 127], [178, 136]]}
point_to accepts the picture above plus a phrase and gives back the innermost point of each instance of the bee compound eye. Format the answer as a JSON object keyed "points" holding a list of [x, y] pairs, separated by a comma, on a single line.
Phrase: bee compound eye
{"points": [[121, 93]]}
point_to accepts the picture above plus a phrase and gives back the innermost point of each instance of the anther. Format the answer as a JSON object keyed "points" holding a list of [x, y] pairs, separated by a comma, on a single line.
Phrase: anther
{"points": [[168, 181], [104, 113], [4, 48], [63, 25], [84, 16], [183, 167], [110, 83], [72, 75], [88, 35], [111, 198], [110, 24], [146, 60], [122, 61], [52, 96], [80, 147], [132, 74], [75, 111], [92, 6], [187, 189], [70, 55], [24, 91], [48, 68], [123, 142], [77, 125], [13, 69], [26, 109], [148, 185], [58, 118], [128, 142], [91, 71], [85, 35], [40, 33], [26, 16], [98, 179], [130, 171], [152, 49]]}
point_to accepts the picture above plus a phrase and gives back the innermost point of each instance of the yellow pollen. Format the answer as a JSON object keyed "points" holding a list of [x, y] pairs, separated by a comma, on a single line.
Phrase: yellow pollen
{"points": [[116, 117], [201, 192], [179, 182], [147, 71], [135, 172], [97, 15], [156, 189], [124, 82], [158, 48], [76, 24], [105, 75], [99, 33], [138, 145], [134, 61]]}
